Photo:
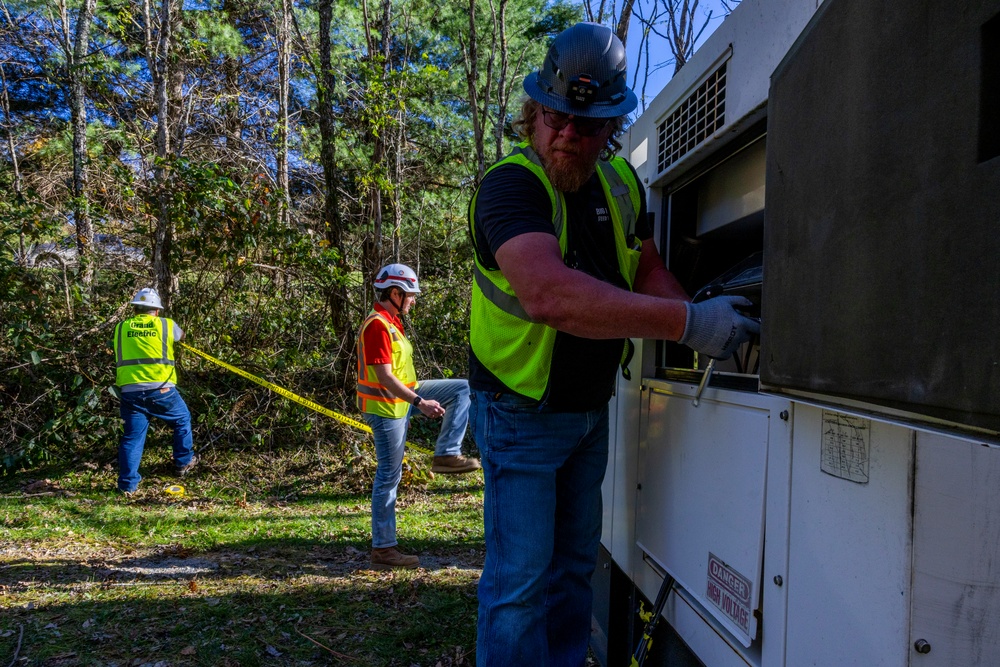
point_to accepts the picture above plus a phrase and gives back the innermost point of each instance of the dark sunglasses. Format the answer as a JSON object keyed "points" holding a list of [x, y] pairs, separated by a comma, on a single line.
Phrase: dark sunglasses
{"points": [[585, 127]]}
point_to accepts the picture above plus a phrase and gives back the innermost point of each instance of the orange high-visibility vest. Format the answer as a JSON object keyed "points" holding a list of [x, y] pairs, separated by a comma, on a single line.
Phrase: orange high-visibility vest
{"points": [[373, 397]]}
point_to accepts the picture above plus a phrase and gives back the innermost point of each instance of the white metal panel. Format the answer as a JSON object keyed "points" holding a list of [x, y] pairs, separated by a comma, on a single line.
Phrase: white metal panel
{"points": [[702, 472], [776, 516], [956, 553], [848, 580], [610, 477], [618, 530]]}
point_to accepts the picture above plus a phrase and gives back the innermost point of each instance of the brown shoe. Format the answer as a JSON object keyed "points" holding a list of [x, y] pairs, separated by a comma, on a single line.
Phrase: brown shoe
{"points": [[182, 471], [452, 465], [389, 557]]}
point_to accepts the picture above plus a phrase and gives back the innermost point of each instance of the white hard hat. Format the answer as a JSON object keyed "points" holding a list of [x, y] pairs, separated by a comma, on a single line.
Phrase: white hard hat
{"points": [[148, 298], [397, 275]]}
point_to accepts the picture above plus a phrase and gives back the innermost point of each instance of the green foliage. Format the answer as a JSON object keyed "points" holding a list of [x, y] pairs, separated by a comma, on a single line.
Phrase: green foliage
{"points": [[265, 292], [217, 37]]}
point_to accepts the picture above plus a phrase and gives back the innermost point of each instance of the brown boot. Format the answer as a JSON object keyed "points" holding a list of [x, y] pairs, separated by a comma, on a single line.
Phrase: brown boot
{"points": [[389, 557], [182, 471], [451, 465]]}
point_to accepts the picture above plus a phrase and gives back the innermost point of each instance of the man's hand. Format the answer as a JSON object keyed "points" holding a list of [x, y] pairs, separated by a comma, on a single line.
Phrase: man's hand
{"points": [[715, 328], [430, 408]]}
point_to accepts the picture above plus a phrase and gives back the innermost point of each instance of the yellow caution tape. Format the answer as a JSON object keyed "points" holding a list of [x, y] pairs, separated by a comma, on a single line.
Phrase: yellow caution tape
{"points": [[293, 397]]}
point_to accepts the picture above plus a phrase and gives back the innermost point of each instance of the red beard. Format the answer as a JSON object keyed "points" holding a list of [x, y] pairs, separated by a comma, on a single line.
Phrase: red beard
{"points": [[566, 167]]}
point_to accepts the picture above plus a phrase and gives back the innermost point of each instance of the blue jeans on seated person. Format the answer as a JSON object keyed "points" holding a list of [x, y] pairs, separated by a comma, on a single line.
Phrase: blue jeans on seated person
{"points": [[390, 439], [137, 408], [542, 515]]}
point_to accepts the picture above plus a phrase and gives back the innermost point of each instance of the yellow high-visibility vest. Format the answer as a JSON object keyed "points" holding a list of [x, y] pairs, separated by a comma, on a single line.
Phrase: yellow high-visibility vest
{"points": [[144, 351], [515, 349]]}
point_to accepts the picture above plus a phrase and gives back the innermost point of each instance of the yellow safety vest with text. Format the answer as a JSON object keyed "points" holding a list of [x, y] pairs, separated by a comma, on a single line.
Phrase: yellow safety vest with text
{"points": [[517, 350], [373, 397], [144, 351]]}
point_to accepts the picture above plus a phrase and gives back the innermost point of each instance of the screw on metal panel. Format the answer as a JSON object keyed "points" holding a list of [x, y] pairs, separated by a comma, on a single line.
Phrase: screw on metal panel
{"points": [[922, 646], [638, 487], [784, 415], [778, 580]]}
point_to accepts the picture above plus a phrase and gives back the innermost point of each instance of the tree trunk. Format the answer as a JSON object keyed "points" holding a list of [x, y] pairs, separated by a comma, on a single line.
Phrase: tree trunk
{"points": [[164, 233], [470, 53], [623, 21], [284, 66], [5, 104], [337, 297], [78, 118], [377, 50], [503, 92]]}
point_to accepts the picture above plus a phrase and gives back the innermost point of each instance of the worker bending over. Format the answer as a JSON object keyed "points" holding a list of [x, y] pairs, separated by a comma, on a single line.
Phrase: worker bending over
{"points": [[147, 379]]}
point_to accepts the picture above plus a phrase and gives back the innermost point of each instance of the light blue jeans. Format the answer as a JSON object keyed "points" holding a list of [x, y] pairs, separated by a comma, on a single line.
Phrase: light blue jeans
{"points": [[136, 409], [542, 514], [390, 439]]}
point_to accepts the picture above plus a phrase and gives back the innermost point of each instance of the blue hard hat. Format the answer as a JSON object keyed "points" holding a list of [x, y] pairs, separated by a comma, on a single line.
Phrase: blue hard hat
{"points": [[584, 74]]}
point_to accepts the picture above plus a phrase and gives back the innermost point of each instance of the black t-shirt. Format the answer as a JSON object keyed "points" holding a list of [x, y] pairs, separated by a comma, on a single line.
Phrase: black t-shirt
{"points": [[513, 201]]}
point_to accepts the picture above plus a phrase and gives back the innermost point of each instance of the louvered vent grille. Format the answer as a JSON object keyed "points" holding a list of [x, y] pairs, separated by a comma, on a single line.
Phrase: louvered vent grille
{"points": [[696, 119]]}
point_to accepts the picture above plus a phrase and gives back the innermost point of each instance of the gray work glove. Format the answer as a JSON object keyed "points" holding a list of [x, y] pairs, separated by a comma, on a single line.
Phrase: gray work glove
{"points": [[714, 327]]}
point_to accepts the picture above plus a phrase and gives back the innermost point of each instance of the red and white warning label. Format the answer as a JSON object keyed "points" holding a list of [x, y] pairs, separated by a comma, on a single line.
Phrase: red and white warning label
{"points": [[729, 591]]}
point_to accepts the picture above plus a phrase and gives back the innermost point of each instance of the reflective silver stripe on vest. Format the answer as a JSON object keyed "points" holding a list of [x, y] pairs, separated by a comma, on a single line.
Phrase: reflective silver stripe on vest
{"points": [[138, 362], [377, 392], [118, 347], [165, 353], [621, 191], [505, 302]]}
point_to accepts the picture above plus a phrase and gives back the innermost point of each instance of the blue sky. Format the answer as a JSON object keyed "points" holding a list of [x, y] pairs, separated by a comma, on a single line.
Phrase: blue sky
{"points": [[660, 54]]}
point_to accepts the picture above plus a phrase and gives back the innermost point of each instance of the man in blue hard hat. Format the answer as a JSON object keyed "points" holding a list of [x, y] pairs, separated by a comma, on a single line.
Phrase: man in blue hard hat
{"points": [[565, 270]]}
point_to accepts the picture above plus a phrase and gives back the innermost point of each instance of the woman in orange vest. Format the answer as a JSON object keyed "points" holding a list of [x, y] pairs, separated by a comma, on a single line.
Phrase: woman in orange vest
{"points": [[388, 396]]}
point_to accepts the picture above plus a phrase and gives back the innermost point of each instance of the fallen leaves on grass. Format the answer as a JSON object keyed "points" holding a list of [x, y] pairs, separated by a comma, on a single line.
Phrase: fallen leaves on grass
{"points": [[326, 648]]}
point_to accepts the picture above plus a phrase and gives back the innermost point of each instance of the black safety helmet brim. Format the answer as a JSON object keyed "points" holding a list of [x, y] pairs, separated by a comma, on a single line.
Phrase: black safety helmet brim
{"points": [[533, 87]]}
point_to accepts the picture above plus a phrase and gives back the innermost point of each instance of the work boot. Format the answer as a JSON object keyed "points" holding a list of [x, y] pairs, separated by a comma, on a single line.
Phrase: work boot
{"points": [[453, 465], [389, 557], [181, 471]]}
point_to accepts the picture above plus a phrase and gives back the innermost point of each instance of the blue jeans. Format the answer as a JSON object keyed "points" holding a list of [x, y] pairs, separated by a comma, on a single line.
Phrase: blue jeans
{"points": [[390, 439], [137, 408], [542, 514]]}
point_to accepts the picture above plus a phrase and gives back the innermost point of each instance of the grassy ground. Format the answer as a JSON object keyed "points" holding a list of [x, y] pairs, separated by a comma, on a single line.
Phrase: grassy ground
{"points": [[263, 561]]}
